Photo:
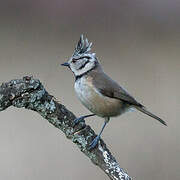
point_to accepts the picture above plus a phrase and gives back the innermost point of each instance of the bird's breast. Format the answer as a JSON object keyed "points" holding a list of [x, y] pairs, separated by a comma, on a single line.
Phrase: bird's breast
{"points": [[96, 102]]}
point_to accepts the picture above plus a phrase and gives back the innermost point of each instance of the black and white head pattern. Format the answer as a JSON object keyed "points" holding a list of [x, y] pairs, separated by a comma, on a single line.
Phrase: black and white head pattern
{"points": [[82, 59]]}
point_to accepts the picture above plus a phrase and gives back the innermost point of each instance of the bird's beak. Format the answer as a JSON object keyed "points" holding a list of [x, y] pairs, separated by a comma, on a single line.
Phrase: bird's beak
{"points": [[65, 64]]}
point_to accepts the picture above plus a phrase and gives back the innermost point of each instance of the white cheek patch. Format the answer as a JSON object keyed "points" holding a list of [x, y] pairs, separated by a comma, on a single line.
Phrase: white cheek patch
{"points": [[73, 69], [86, 68]]}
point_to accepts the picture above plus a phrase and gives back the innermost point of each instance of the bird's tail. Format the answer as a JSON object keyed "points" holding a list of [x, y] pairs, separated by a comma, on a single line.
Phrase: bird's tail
{"points": [[145, 111]]}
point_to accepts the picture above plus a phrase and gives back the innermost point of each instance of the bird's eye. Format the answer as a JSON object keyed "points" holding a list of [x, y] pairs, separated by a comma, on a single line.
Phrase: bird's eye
{"points": [[73, 60]]}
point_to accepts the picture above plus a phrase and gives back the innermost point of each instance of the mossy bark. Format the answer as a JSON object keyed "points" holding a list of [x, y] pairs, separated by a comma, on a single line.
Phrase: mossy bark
{"points": [[29, 93]]}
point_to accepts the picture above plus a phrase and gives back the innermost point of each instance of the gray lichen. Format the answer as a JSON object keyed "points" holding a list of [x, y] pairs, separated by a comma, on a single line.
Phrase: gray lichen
{"points": [[29, 93]]}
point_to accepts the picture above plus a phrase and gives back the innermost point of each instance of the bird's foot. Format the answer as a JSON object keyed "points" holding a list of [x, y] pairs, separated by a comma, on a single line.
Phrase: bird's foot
{"points": [[94, 143], [81, 118], [78, 120]]}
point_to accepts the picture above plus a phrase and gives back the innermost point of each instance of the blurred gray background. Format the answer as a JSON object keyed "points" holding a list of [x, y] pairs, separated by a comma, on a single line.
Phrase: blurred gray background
{"points": [[137, 43]]}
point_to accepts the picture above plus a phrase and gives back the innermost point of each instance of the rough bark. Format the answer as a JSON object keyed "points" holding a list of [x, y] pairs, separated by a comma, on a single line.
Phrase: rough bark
{"points": [[29, 93]]}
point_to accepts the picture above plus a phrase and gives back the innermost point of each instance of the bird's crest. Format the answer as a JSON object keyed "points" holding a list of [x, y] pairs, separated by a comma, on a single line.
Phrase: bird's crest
{"points": [[82, 47]]}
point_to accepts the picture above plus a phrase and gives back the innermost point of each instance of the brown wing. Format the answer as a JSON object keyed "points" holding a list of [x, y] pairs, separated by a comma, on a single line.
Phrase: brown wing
{"points": [[110, 88]]}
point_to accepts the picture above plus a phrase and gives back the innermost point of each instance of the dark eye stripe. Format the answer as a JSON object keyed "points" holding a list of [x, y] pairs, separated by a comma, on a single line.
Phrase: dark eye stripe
{"points": [[81, 67], [87, 57], [74, 60]]}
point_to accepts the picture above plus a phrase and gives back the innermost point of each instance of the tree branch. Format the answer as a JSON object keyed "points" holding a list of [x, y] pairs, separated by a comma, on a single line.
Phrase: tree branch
{"points": [[29, 93]]}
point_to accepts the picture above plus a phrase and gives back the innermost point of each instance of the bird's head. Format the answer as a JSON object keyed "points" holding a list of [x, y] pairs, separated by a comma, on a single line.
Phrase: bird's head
{"points": [[82, 60]]}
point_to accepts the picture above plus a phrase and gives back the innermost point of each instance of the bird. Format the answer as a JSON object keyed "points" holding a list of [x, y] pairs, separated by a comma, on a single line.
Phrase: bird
{"points": [[100, 94]]}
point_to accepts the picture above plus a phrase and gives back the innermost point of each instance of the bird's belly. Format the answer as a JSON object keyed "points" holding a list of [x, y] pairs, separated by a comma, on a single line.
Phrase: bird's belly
{"points": [[99, 104]]}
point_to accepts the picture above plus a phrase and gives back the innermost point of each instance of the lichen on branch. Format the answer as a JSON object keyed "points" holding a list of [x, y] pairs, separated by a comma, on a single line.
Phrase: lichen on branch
{"points": [[29, 93]]}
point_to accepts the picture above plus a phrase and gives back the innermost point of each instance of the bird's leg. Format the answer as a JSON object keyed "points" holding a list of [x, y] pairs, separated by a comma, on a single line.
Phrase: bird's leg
{"points": [[96, 139], [81, 118]]}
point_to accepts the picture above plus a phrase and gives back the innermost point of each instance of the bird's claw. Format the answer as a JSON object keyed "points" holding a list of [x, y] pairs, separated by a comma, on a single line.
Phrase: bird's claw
{"points": [[94, 143], [78, 120]]}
